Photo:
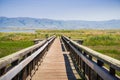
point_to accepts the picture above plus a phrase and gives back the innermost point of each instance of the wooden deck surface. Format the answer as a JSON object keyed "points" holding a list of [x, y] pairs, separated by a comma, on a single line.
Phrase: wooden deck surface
{"points": [[56, 65]]}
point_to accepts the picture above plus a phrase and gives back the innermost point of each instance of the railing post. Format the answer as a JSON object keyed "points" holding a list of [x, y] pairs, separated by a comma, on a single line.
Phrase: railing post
{"points": [[34, 64], [83, 63], [84, 53], [90, 57], [78, 60], [23, 74], [100, 63], [112, 71], [80, 63], [89, 73], [2, 71], [15, 63], [30, 68]]}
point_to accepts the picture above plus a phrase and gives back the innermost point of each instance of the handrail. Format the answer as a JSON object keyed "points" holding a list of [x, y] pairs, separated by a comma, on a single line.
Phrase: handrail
{"points": [[19, 67], [109, 60], [20, 56], [17, 55], [114, 64]]}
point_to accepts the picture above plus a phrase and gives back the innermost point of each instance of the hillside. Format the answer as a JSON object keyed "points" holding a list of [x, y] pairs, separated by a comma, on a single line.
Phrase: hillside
{"points": [[34, 23]]}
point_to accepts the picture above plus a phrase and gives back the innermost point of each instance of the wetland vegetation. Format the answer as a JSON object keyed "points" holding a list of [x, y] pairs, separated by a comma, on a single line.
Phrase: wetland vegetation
{"points": [[105, 41]]}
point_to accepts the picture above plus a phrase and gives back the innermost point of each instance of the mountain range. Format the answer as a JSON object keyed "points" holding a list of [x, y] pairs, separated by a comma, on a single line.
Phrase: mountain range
{"points": [[35, 23]]}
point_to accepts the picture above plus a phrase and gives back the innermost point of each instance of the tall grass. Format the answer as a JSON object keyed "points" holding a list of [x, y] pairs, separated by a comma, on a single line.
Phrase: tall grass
{"points": [[9, 47], [104, 41], [106, 44]]}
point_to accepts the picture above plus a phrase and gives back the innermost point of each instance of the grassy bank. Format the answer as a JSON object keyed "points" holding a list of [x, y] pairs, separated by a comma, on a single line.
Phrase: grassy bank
{"points": [[12, 42], [9, 47]]}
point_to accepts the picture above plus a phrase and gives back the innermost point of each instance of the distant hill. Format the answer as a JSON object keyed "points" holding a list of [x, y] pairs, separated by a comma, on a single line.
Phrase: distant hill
{"points": [[33, 23]]}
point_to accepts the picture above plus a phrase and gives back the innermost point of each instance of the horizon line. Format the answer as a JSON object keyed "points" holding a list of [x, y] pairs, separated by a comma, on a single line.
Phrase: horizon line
{"points": [[59, 19]]}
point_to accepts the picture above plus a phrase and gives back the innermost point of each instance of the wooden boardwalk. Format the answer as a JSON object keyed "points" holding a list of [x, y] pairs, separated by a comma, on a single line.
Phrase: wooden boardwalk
{"points": [[37, 62], [56, 65]]}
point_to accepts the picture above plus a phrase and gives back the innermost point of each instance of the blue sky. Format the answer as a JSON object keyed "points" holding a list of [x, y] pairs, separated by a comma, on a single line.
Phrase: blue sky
{"points": [[62, 9]]}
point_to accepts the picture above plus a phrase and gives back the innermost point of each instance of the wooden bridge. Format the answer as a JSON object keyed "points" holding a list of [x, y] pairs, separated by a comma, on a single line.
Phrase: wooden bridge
{"points": [[58, 59]]}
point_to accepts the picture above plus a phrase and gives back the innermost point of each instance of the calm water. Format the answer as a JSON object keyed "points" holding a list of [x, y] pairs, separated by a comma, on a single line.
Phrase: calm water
{"points": [[9, 30]]}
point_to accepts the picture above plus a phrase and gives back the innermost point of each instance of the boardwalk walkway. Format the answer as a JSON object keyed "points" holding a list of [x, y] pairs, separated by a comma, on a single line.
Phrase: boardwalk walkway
{"points": [[56, 65]]}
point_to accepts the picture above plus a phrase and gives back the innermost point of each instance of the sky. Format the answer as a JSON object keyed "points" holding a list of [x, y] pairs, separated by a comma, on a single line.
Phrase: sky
{"points": [[91, 10]]}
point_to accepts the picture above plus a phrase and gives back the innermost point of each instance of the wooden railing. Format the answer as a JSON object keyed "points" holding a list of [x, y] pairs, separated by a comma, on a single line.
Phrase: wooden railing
{"points": [[93, 65], [20, 65]]}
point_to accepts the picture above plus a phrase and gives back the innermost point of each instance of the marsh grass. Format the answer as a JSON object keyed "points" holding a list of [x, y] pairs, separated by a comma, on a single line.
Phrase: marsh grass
{"points": [[12, 42], [105, 41], [9, 47], [106, 44]]}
